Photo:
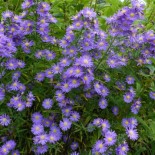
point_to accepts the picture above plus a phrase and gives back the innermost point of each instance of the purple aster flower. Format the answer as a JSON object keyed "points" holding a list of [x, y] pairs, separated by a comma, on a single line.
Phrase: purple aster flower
{"points": [[14, 99], [1, 29], [63, 103], [74, 83], [52, 138], [49, 73], [132, 91], [59, 95], [24, 13], [140, 61], [16, 75], [87, 44], [103, 103], [49, 55], [77, 25], [125, 122], [132, 134], [65, 124], [74, 153], [102, 45], [100, 147], [128, 97], [46, 38], [30, 96], [97, 122], [152, 95], [67, 111], [42, 149], [106, 78], [146, 53], [51, 18], [115, 110], [43, 29], [46, 122], [39, 54], [136, 106], [10, 144], [110, 138], [133, 122], [11, 64], [63, 43], [122, 149], [130, 80], [27, 4], [121, 85], [56, 131], [40, 76], [71, 52], [112, 63], [15, 152], [87, 79], [28, 104], [17, 19], [37, 129], [4, 150], [56, 69], [97, 87], [65, 62], [69, 36], [37, 118], [41, 139], [71, 71], [5, 120], [88, 13], [47, 103], [19, 105], [14, 86], [74, 146], [75, 116], [105, 125], [43, 8], [2, 94], [84, 61], [7, 14], [65, 87], [20, 64], [104, 91]]}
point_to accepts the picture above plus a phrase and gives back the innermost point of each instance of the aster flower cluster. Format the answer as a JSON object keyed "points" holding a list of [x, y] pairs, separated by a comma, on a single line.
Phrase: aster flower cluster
{"points": [[7, 46], [121, 22], [44, 21], [41, 137], [110, 137], [9, 147], [130, 125], [5, 120], [58, 93], [123, 25]]}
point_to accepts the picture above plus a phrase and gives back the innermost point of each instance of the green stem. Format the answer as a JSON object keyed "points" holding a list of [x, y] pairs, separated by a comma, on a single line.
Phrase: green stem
{"points": [[95, 5], [103, 55]]}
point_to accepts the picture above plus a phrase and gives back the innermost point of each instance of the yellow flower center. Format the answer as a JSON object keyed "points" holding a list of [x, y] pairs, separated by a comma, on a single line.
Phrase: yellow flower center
{"points": [[132, 14], [85, 61], [78, 24], [101, 146], [109, 139]]}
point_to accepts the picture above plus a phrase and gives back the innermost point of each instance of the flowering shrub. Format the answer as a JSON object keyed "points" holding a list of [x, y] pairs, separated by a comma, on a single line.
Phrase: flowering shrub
{"points": [[78, 94]]}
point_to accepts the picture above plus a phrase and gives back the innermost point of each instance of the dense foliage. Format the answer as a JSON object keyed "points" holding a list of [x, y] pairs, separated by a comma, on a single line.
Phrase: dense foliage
{"points": [[79, 84]]}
